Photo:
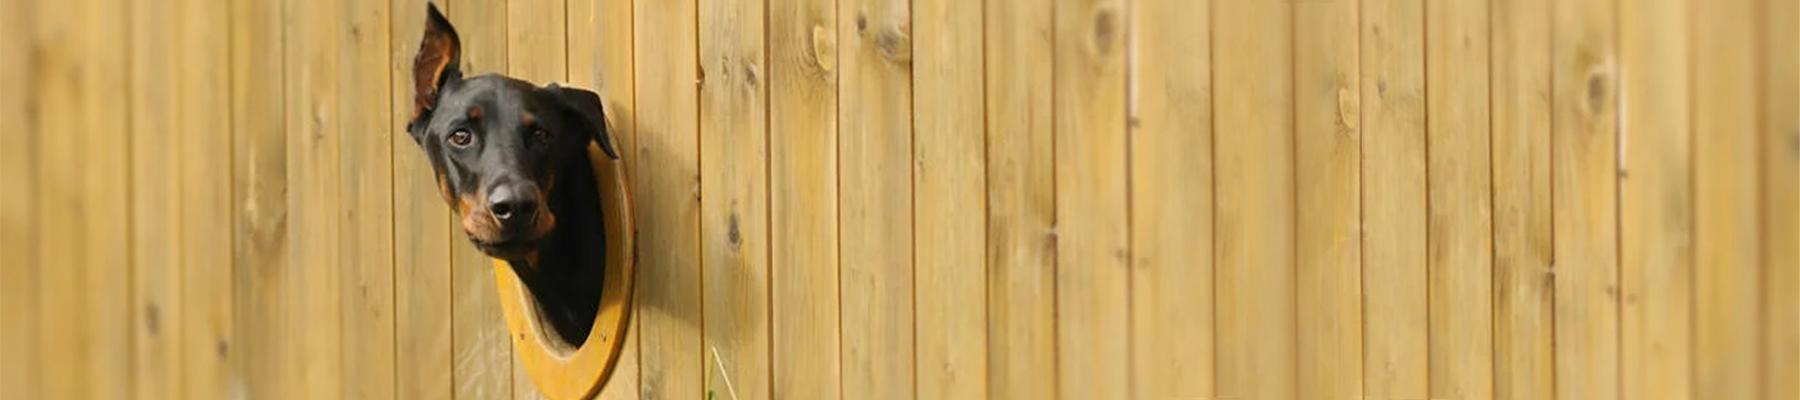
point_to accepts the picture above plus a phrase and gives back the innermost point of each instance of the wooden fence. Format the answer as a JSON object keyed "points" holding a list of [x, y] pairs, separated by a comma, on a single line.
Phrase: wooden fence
{"points": [[933, 199]]}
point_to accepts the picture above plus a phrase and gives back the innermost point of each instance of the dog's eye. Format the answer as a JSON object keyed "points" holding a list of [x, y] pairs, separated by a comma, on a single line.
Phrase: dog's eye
{"points": [[542, 136], [461, 138]]}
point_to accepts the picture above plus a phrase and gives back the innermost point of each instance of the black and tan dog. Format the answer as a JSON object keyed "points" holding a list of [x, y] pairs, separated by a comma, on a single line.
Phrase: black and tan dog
{"points": [[511, 159]]}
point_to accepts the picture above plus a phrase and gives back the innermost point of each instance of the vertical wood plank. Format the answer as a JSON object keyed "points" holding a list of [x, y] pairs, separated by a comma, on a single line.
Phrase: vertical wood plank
{"points": [[666, 40], [1780, 40], [803, 214], [1395, 327], [422, 232], [1726, 219], [1522, 116], [1093, 246], [536, 41], [734, 219], [1584, 196], [536, 51], [1021, 201], [522, 386], [155, 200], [1327, 207], [314, 143], [262, 360], [366, 238], [1656, 206], [600, 58], [949, 181], [204, 129], [1254, 216], [19, 232], [875, 120], [1171, 200], [483, 354], [85, 323], [1460, 217]]}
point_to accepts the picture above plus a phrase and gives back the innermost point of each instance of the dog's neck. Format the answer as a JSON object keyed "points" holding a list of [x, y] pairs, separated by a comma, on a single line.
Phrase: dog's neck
{"points": [[566, 275]]}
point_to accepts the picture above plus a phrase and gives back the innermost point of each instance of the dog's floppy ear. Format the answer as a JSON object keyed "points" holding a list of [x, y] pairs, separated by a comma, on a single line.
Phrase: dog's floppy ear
{"points": [[436, 64], [586, 105]]}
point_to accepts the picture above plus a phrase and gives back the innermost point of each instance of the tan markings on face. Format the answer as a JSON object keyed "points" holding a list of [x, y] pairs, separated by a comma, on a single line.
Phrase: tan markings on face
{"points": [[444, 190], [476, 221], [475, 112], [529, 120], [546, 220]]}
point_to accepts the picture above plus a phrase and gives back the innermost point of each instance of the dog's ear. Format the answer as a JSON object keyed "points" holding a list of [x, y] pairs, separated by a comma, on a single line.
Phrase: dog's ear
{"points": [[436, 64], [586, 105]]}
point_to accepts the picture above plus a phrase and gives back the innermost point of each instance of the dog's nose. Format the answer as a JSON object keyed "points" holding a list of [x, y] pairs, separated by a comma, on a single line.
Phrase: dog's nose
{"points": [[511, 203]]}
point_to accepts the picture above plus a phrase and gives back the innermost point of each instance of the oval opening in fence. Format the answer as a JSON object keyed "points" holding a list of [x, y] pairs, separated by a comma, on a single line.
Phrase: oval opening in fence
{"points": [[560, 368]]}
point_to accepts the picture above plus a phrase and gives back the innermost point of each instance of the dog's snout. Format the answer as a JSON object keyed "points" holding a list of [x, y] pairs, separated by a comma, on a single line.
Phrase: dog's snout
{"points": [[514, 203]]}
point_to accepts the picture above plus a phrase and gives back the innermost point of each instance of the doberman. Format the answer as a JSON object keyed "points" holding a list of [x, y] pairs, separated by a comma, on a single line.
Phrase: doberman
{"points": [[511, 159]]}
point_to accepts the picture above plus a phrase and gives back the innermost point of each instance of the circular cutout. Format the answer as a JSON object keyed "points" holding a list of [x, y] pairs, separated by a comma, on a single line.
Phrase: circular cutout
{"points": [[565, 370]]}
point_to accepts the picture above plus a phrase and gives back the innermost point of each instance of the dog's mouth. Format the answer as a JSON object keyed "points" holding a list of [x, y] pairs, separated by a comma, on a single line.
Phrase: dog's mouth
{"points": [[517, 245], [509, 249], [511, 243]]}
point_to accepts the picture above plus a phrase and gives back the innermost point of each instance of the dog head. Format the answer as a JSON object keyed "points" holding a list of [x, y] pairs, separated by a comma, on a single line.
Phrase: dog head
{"points": [[496, 143]]}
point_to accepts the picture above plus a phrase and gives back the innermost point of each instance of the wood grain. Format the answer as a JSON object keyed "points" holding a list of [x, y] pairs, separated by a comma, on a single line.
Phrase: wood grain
{"points": [[312, 31], [1460, 220], [261, 360], [1584, 194], [875, 201], [1656, 203], [803, 214], [155, 199], [1780, 84], [1021, 201], [670, 319], [1727, 216], [366, 237], [1171, 200], [1328, 204], [85, 321], [1395, 306], [1254, 214], [950, 238], [205, 169], [18, 207], [1093, 243], [734, 205], [1522, 123], [536, 41]]}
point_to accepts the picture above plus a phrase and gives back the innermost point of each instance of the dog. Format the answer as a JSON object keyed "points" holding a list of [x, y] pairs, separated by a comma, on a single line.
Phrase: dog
{"points": [[510, 158]]}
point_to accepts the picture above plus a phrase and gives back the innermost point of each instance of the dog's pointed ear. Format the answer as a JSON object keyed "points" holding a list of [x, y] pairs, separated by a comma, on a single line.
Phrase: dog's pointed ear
{"points": [[436, 64], [586, 105]]}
